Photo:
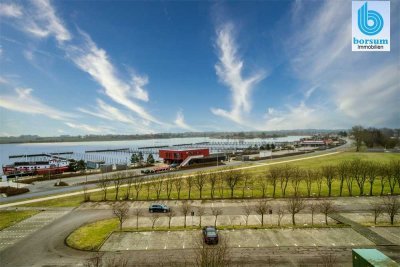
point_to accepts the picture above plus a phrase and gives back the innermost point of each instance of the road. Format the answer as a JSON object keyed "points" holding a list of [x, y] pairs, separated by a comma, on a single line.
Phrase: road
{"points": [[46, 188], [46, 246], [185, 173]]}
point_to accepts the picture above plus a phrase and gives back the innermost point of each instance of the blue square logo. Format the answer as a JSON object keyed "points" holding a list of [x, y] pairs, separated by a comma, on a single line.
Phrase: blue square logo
{"points": [[370, 26]]}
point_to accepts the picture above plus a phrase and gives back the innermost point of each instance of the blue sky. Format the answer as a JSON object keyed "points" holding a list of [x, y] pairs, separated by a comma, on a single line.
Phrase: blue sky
{"points": [[99, 67]]}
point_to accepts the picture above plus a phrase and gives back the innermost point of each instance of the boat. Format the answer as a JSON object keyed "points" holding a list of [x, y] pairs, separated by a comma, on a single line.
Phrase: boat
{"points": [[52, 166]]}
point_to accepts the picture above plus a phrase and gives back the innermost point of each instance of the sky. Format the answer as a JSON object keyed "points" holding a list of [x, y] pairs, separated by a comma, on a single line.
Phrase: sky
{"points": [[136, 67]]}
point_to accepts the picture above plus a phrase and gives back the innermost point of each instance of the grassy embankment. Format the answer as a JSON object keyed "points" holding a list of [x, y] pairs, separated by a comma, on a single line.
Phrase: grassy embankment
{"points": [[252, 190], [9, 218]]}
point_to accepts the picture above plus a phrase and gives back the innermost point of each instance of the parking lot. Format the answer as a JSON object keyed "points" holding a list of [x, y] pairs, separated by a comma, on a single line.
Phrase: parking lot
{"points": [[15, 233], [328, 237]]}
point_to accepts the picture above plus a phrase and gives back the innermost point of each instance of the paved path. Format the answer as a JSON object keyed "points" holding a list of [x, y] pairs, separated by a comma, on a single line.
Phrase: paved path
{"points": [[13, 234], [181, 177], [365, 231]]}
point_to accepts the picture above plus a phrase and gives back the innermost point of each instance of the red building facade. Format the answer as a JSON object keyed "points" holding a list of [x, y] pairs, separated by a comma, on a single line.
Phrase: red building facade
{"points": [[179, 155]]}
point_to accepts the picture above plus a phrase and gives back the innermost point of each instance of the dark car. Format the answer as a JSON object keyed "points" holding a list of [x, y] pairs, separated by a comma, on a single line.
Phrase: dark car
{"points": [[210, 235], [159, 208]]}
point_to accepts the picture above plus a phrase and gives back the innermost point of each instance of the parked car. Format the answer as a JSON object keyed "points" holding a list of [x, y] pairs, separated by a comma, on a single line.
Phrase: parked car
{"points": [[159, 208], [210, 235]]}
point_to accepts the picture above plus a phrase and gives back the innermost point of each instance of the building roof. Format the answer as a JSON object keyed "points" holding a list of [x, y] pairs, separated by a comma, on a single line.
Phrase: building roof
{"points": [[184, 149], [375, 257]]}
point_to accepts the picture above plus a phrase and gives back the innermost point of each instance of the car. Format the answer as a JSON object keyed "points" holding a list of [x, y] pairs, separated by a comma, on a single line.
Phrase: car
{"points": [[210, 235], [159, 208]]}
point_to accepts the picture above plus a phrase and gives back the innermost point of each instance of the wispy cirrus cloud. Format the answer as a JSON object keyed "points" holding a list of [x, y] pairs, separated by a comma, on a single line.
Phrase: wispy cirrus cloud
{"points": [[24, 101], [110, 113], [89, 128], [10, 10], [230, 72], [180, 122], [95, 61], [321, 59]]}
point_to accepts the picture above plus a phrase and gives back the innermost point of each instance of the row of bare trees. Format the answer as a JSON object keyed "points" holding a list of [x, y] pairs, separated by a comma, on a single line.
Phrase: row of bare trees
{"points": [[235, 183], [389, 205]]}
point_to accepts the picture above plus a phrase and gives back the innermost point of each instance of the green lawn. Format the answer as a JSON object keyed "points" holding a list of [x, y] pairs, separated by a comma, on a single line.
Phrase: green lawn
{"points": [[8, 218], [92, 236], [252, 189]]}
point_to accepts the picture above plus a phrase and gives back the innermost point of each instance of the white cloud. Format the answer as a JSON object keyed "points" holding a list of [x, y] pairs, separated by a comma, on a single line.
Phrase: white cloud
{"points": [[229, 70], [10, 10], [45, 22], [108, 112], [89, 128], [93, 60], [24, 101], [180, 122], [138, 83]]}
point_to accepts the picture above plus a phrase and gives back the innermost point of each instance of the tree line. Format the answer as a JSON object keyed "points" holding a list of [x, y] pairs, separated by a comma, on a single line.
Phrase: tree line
{"points": [[346, 177], [373, 137]]}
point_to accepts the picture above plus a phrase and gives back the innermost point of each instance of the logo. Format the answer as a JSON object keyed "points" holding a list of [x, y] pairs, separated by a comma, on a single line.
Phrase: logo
{"points": [[371, 26], [364, 16]]}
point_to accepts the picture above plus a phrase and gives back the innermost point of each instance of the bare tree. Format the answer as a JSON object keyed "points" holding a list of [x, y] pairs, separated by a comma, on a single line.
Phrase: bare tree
{"points": [[309, 178], [154, 218], [128, 187], [218, 256], [391, 176], [329, 172], [138, 185], [377, 210], [343, 172], [297, 176], [200, 180], [232, 178], [294, 205], [245, 178], [200, 211], [362, 178], [318, 181], [120, 210], [169, 184], [383, 179], [263, 182], [221, 179], [274, 174], [280, 212], [326, 207], [117, 261], [391, 207], [158, 185], [178, 186], [247, 211], [137, 212], [373, 170], [213, 180], [329, 260], [395, 165], [216, 212], [354, 173], [95, 261], [285, 175], [170, 215], [357, 132], [148, 186], [189, 182], [185, 208], [313, 208], [103, 184], [117, 184], [86, 195], [261, 208]]}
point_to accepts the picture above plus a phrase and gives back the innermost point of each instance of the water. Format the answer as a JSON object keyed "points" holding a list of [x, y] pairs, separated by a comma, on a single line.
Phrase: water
{"points": [[79, 148]]}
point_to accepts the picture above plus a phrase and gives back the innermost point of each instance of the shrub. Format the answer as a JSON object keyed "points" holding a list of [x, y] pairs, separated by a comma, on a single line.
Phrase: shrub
{"points": [[61, 183], [12, 191]]}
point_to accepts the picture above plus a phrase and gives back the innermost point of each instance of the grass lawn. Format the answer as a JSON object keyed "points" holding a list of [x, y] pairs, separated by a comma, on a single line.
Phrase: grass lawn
{"points": [[251, 190], [92, 236], [8, 218]]}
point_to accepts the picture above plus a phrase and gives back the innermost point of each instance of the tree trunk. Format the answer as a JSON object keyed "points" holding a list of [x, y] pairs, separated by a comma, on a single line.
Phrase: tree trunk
{"points": [[391, 219], [293, 219], [184, 224], [273, 193], [371, 187], [341, 187], [262, 219], [326, 218]]}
